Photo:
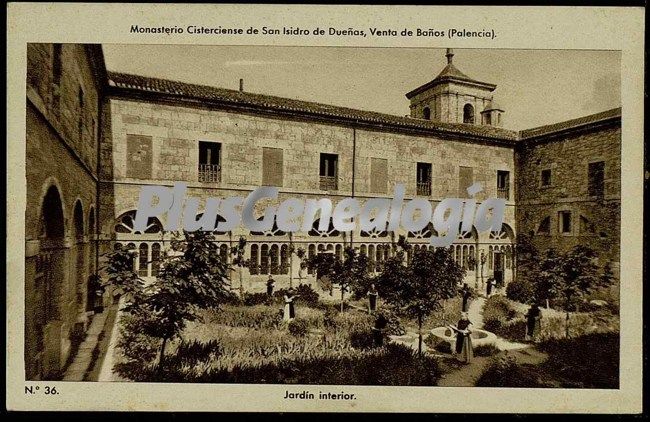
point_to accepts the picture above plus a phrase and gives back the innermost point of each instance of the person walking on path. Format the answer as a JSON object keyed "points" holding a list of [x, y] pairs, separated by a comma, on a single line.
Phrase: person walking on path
{"points": [[373, 294], [533, 322], [490, 285], [466, 293]]}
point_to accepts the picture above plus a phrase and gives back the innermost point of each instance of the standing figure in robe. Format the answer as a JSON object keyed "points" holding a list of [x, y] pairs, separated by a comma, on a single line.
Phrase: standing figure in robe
{"points": [[464, 351]]}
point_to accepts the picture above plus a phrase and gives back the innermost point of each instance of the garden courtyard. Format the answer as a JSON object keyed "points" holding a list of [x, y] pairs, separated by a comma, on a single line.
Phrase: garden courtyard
{"points": [[249, 343], [192, 325]]}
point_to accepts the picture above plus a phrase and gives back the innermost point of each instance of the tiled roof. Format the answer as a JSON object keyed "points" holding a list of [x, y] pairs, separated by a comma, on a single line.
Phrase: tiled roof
{"points": [[304, 108], [570, 124], [449, 74], [451, 71]]}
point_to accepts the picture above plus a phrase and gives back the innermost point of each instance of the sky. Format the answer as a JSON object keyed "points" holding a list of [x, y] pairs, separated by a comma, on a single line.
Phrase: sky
{"points": [[535, 87]]}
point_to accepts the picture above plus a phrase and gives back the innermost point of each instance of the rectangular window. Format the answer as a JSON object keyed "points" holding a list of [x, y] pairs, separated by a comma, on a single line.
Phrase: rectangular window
{"points": [[378, 175], [565, 221], [139, 156], [329, 171], [209, 162], [596, 178], [503, 184], [465, 180], [272, 167], [423, 179], [546, 177]]}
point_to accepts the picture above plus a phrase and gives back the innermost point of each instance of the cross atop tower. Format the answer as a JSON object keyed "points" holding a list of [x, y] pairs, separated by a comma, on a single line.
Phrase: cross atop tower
{"points": [[450, 55]]}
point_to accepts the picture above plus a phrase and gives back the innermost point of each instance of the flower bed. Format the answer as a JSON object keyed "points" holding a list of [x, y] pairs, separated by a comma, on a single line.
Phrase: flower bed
{"points": [[253, 344]]}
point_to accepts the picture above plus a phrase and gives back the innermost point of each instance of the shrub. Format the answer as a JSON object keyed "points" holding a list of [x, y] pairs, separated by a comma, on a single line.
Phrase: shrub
{"points": [[437, 344], [486, 350], [567, 360], [553, 327], [566, 366], [493, 325], [361, 339], [193, 351], [135, 345], [520, 290], [394, 326], [498, 307], [352, 321], [450, 313], [251, 299], [308, 295], [329, 319], [298, 327], [256, 316], [497, 312]]}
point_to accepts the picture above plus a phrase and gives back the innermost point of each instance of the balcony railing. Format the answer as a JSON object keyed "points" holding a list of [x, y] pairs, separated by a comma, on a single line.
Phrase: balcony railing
{"points": [[424, 189], [329, 183], [209, 173], [503, 193]]}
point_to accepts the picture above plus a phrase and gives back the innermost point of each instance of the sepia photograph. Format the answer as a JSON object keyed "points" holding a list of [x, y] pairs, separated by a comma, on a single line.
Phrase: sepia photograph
{"points": [[145, 263]]}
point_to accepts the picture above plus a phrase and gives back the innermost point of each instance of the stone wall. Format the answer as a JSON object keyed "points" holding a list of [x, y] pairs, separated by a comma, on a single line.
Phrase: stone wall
{"points": [[595, 220], [177, 130], [61, 155]]}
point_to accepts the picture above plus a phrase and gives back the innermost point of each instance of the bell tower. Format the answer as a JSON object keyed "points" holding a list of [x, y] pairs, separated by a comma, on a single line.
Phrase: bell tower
{"points": [[453, 97]]}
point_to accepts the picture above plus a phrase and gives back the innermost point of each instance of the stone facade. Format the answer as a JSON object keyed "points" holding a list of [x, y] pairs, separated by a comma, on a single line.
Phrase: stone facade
{"points": [[565, 159], [176, 130], [61, 177]]}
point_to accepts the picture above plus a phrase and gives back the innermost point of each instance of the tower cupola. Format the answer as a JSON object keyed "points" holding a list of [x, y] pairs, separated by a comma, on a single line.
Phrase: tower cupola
{"points": [[453, 97]]}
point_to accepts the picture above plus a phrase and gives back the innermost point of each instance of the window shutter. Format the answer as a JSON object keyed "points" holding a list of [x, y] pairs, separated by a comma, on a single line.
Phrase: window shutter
{"points": [[138, 156], [272, 167], [378, 175], [465, 180]]}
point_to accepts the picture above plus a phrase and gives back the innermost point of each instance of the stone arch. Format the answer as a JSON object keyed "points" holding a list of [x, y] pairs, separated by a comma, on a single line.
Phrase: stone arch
{"points": [[374, 233], [330, 232], [218, 220], [253, 266], [125, 224], [45, 348], [52, 217], [468, 114], [505, 234], [501, 253], [426, 113], [274, 231]]}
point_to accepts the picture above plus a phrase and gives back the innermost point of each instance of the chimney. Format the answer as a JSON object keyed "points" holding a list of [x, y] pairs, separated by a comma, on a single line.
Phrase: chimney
{"points": [[241, 85]]}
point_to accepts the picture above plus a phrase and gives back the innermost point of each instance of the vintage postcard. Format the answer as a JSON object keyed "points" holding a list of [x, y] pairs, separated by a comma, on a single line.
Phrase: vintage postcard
{"points": [[324, 208]]}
